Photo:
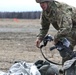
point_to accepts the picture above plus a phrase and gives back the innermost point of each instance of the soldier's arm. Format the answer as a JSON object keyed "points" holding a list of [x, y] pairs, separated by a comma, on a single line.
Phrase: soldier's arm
{"points": [[65, 27], [44, 27]]}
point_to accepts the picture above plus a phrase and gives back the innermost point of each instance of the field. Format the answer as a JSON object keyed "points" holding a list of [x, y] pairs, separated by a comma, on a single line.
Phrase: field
{"points": [[17, 42]]}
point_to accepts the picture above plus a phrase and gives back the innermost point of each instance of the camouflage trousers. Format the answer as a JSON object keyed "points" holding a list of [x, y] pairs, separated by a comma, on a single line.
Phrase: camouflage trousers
{"points": [[72, 38]]}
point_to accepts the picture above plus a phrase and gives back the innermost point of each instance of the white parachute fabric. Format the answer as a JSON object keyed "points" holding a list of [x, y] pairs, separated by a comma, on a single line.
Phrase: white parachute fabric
{"points": [[22, 68], [2, 73], [34, 70]]}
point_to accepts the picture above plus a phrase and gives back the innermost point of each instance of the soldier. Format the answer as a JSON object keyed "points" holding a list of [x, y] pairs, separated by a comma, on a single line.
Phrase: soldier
{"points": [[63, 19]]}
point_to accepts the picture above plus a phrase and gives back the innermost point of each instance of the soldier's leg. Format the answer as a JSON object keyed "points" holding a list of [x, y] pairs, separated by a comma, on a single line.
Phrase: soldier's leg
{"points": [[71, 37]]}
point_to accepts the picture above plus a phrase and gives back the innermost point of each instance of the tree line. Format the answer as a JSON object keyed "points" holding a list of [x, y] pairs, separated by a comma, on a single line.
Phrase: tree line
{"points": [[21, 15]]}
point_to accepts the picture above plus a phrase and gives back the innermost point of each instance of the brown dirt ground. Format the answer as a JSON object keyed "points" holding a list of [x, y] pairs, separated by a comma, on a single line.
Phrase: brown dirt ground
{"points": [[17, 42]]}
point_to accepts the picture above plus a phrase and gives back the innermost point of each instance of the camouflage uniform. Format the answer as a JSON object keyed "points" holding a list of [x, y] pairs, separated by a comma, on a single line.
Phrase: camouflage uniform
{"points": [[63, 19]]}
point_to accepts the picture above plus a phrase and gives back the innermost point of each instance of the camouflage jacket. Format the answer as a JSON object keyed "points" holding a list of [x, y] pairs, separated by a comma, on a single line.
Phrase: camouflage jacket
{"points": [[61, 16]]}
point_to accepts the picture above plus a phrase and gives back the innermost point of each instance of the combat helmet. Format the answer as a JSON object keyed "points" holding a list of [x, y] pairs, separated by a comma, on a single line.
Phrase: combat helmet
{"points": [[40, 1]]}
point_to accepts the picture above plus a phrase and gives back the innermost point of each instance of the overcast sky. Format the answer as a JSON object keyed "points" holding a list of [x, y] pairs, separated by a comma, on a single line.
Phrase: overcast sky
{"points": [[25, 5]]}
